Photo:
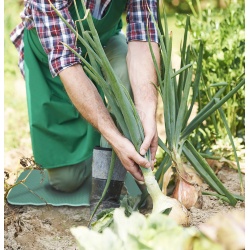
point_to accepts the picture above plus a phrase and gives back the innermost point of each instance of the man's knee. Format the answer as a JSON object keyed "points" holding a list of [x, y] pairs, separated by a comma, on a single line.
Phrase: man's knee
{"points": [[69, 178]]}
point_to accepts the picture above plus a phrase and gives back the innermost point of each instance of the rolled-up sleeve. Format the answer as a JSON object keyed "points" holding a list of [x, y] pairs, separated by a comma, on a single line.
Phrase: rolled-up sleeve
{"points": [[52, 32], [139, 17]]}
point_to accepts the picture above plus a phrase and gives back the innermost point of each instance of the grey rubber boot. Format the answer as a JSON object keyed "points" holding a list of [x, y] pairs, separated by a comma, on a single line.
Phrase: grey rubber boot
{"points": [[100, 169]]}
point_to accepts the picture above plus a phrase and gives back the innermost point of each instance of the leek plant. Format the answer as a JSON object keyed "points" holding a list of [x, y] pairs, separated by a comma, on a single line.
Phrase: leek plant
{"points": [[123, 111], [179, 91]]}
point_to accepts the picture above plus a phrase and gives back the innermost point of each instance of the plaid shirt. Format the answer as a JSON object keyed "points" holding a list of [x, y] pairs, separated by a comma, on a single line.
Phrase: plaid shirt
{"points": [[51, 30]]}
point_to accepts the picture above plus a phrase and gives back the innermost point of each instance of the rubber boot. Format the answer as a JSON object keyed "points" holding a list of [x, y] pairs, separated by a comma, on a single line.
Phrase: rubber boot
{"points": [[100, 169]]}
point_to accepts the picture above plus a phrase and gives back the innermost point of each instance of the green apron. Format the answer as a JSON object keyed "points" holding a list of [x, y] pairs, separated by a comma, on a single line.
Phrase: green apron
{"points": [[59, 135]]}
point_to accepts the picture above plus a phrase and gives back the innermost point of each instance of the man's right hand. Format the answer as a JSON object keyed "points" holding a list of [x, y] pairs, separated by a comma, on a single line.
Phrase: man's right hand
{"points": [[130, 158]]}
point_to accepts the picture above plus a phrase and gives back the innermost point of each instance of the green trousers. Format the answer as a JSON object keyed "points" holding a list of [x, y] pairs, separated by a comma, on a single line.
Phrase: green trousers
{"points": [[69, 178]]}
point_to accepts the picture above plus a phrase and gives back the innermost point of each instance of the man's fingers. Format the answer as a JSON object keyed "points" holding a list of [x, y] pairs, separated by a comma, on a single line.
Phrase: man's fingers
{"points": [[153, 150], [135, 171], [141, 161], [138, 176], [145, 145], [151, 143], [154, 146], [153, 164]]}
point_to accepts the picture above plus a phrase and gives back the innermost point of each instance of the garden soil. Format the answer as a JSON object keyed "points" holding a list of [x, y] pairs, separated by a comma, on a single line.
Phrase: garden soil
{"points": [[48, 227]]}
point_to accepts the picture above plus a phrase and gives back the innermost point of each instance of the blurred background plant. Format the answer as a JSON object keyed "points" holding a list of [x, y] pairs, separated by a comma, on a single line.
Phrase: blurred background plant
{"points": [[221, 27], [185, 6], [224, 147], [16, 128], [12, 9]]}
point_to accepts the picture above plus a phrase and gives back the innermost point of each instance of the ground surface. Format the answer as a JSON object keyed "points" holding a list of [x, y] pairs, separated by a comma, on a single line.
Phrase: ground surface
{"points": [[47, 227]]}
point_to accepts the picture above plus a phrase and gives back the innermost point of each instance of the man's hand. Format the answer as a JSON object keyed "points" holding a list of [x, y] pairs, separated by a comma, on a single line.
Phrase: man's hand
{"points": [[151, 135], [142, 76], [130, 158]]}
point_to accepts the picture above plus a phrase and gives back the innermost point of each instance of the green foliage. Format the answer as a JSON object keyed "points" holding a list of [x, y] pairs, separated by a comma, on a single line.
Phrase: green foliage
{"points": [[104, 220], [222, 32], [16, 118], [157, 231], [12, 9], [105, 217], [183, 6], [179, 6]]}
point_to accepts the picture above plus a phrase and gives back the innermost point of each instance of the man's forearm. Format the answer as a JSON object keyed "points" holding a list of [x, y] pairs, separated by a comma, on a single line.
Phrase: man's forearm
{"points": [[88, 101], [142, 75]]}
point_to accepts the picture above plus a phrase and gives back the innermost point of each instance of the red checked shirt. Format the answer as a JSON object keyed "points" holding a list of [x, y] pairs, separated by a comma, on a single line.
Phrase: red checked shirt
{"points": [[52, 31]]}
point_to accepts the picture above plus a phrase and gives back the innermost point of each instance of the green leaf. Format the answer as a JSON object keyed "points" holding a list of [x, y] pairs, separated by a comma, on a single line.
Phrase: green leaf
{"points": [[183, 59], [163, 146], [182, 109], [223, 197], [195, 84], [219, 84], [181, 70], [206, 172], [165, 164], [110, 173], [104, 220], [167, 211], [224, 119], [204, 114]]}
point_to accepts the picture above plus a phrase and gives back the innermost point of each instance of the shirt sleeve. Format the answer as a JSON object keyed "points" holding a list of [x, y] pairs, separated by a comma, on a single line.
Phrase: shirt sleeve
{"points": [[139, 17], [52, 31]]}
